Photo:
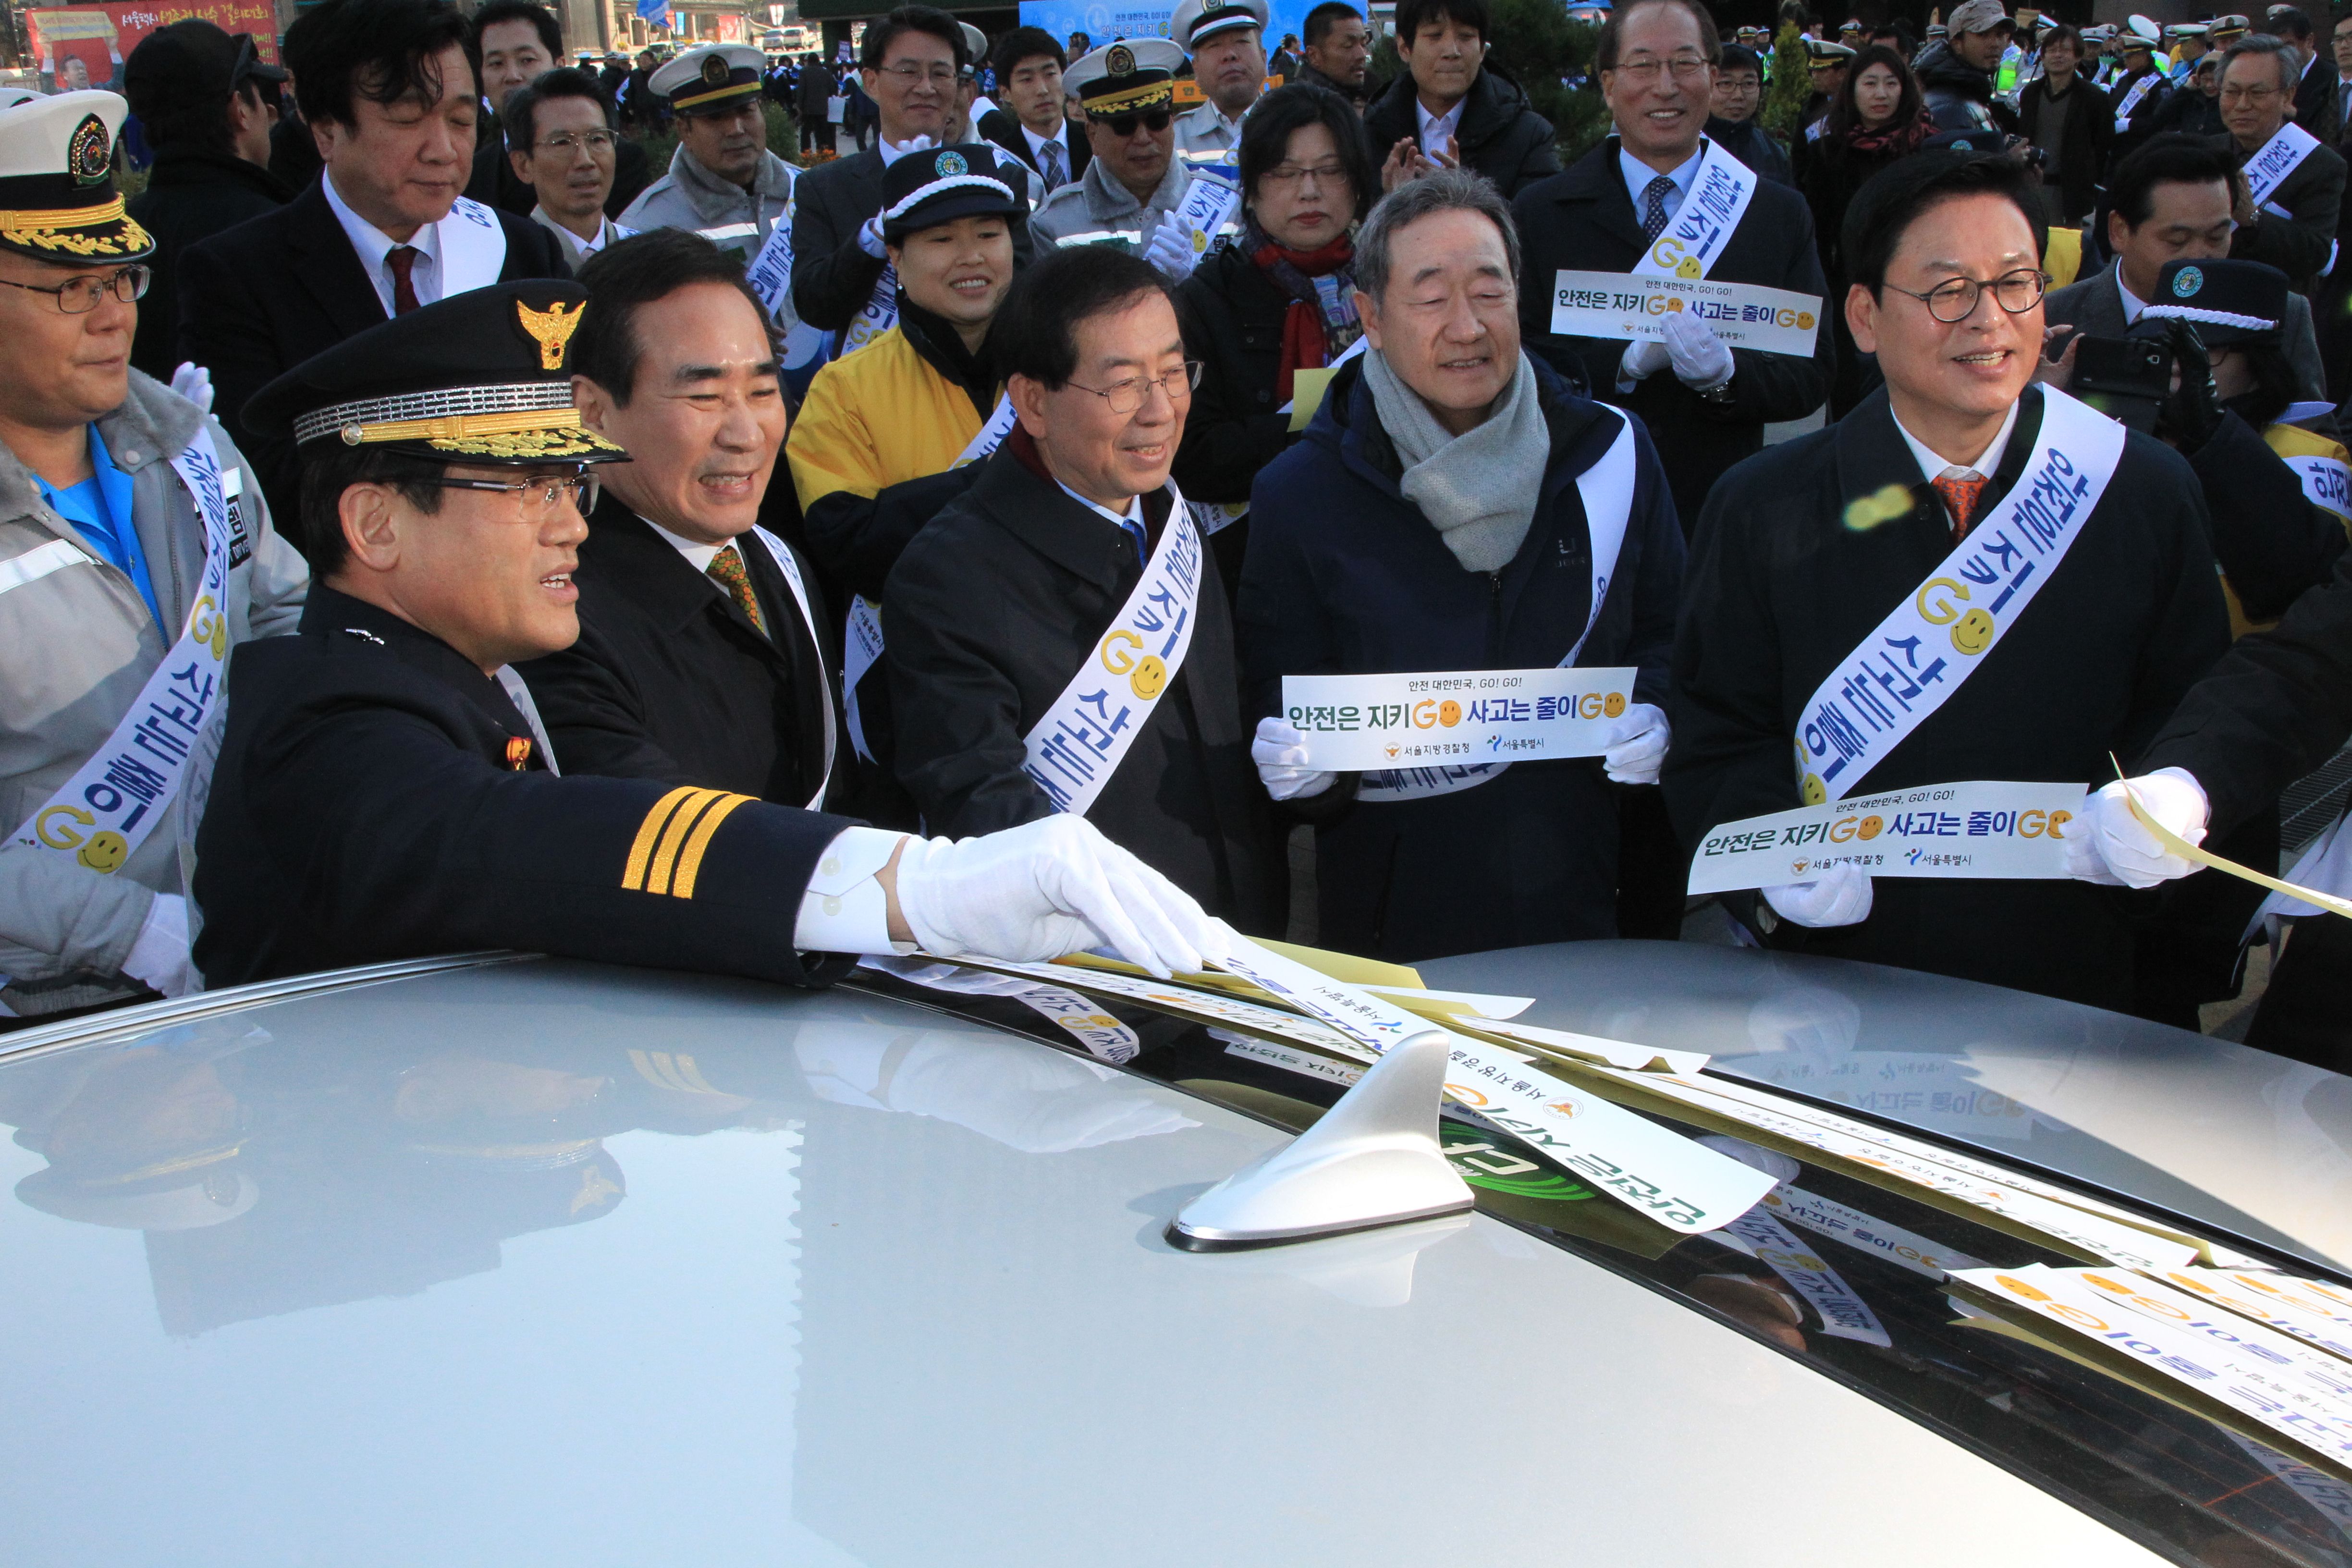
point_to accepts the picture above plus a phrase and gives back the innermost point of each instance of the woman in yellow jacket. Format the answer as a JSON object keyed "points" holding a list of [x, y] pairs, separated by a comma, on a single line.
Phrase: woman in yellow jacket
{"points": [[890, 432]]}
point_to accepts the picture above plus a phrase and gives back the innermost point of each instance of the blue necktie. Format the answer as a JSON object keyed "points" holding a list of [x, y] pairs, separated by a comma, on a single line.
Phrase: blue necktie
{"points": [[1653, 206]]}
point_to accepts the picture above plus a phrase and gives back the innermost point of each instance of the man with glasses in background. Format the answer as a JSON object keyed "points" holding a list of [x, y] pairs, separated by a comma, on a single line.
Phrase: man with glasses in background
{"points": [[560, 135], [134, 551], [2293, 191], [1867, 609], [1133, 193], [1055, 640]]}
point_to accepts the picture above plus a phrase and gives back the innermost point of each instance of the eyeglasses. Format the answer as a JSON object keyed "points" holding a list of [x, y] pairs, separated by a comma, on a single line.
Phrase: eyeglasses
{"points": [[2016, 292], [2244, 94], [1644, 72], [1123, 125], [571, 141], [537, 495], [79, 296], [909, 74], [1288, 175], [1128, 396]]}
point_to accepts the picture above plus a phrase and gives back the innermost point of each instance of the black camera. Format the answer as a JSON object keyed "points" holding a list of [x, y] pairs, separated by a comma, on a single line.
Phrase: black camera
{"points": [[2123, 378]]}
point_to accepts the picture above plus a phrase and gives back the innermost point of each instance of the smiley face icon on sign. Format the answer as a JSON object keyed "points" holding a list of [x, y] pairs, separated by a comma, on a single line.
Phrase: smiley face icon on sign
{"points": [[1449, 713], [1614, 705]]}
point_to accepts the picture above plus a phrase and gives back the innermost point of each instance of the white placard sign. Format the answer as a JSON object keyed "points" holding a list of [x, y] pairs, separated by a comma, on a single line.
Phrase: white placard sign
{"points": [[1631, 305], [1980, 829], [1354, 723]]}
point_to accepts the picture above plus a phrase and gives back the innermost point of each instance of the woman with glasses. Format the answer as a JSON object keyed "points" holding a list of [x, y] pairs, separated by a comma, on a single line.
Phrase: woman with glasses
{"points": [[1055, 639], [1969, 577], [1875, 119], [1279, 300]]}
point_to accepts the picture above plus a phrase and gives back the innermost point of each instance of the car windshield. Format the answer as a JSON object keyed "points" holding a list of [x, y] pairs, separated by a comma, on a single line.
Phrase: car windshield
{"points": [[1849, 1277]]}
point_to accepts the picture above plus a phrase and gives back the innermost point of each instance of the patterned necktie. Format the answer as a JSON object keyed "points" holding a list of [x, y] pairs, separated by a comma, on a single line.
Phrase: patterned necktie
{"points": [[1960, 498], [1056, 172], [1654, 207], [727, 566], [402, 259]]}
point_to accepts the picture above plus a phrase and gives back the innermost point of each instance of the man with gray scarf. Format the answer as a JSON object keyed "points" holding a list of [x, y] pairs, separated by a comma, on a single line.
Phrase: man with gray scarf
{"points": [[1456, 505]]}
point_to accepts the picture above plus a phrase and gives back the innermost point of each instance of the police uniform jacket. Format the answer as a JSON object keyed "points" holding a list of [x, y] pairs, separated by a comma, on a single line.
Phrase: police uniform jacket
{"points": [[691, 197], [2312, 198], [1201, 128], [1583, 220], [991, 612], [833, 276], [1346, 577], [379, 797], [82, 645], [670, 679], [257, 300], [1094, 203], [1780, 589]]}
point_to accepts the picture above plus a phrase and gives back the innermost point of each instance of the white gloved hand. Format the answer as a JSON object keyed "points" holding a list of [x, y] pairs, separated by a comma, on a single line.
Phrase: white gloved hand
{"points": [[869, 238], [194, 382], [1841, 897], [1645, 357], [1047, 888], [2108, 844], [160, 957], [1280, 752], [1701, 360], [1170, 250], [1636, 745]]}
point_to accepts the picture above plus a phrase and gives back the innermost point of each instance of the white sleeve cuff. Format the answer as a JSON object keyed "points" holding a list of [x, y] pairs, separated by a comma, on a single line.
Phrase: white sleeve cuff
{"points": [[843, 909]]}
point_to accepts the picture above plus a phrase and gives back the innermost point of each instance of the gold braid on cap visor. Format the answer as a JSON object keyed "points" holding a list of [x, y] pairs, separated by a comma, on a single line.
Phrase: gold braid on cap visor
{"points": [[683, 101], [523, 419], [70, 229], [1148, 96]]}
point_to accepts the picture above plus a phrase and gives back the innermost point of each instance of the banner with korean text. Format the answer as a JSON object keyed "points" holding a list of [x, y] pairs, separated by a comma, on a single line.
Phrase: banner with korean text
{"points": [[1979, 829], [1356, 723]]}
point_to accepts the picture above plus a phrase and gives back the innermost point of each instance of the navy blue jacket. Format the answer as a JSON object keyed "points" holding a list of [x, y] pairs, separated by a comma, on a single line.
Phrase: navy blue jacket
{"points": [[1346, 577]]}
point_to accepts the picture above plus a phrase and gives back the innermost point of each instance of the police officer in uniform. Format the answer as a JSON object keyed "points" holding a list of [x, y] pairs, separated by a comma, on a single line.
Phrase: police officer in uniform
{"points": [[1227, 39], [717, 185], [384, 790], [1135, 183]]}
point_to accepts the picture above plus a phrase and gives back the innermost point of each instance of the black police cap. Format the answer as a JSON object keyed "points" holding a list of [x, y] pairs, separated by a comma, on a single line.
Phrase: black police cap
{"points": [[923, 190]]}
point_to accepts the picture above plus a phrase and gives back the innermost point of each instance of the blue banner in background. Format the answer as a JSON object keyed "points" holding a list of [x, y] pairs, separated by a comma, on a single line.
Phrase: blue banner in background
{"points": [[1104, 20], [655, 12]]}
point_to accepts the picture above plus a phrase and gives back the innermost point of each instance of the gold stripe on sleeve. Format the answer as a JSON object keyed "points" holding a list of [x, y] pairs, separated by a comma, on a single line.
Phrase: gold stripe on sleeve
{"points": [[691, 864], [674, 836], [633, 875]]}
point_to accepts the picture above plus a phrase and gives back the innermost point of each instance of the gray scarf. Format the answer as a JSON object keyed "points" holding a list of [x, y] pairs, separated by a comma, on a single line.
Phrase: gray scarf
{"points": [[1478, 490]]}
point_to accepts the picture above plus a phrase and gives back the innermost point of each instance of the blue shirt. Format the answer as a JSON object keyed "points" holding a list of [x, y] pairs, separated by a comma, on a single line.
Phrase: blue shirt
{"points": [[99, 506], [1638, 175], [1132, 521]]}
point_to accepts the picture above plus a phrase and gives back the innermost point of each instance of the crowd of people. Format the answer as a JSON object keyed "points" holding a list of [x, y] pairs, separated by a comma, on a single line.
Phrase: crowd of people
{"points": [[908, 548]]}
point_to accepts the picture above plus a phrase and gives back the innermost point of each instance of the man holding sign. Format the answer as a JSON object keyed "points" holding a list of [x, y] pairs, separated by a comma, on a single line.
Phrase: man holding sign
{"points": [[1967, 581], [1659, 213]]}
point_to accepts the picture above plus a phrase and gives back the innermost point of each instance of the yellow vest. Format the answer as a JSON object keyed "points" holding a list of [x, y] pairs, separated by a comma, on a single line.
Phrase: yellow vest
{"points": [[875, 418], [2062, 260]]}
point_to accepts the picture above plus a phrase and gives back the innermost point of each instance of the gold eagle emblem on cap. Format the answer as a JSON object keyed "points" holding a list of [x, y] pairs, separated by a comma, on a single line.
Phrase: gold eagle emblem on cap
{"points": [[551, 329]]}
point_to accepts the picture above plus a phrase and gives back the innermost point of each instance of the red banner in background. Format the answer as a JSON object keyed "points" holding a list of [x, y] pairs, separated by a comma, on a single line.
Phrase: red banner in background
{"points": [[84, 45]]}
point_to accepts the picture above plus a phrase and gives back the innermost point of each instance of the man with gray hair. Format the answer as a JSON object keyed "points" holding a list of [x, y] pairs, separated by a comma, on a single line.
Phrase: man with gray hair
{"points": [[1456, 505], [2293, 185]]}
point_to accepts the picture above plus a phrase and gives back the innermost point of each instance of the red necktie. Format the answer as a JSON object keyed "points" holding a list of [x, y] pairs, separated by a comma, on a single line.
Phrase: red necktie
{"points": [[1960, 497], [402, 259]]}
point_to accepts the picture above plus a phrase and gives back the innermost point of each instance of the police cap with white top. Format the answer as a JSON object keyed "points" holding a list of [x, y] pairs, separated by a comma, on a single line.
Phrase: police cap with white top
{"points": [[923, 190], [58, 200], [2228, 302], [482, 378], [710, 80], [1198, 21], [1130, 76]]}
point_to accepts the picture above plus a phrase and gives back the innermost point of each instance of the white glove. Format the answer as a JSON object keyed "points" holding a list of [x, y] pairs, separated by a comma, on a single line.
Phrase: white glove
{"points": [[1841, 897], [194, 382], [1047, 888], [1700, 359], [2107, 844], [1170, 250], [1280, 752], [869, 238], [160, 957], [1637, 744], [1644, 357]]}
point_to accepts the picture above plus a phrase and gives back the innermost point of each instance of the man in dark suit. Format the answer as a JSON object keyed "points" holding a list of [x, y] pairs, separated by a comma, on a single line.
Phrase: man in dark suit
{"points": [[514, 41], [2292, 224], [1029, 121], [1707, 405], [702, 654], [388, 92], [2319, 109]]}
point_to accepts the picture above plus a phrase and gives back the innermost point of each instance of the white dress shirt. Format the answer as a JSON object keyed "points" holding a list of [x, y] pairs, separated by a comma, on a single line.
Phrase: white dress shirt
{"points": [[373, 246], [1638, 175], [1934, 467], [2133, 303], [893, 151], [1436, 128], [698, 556], [1060, 138]]}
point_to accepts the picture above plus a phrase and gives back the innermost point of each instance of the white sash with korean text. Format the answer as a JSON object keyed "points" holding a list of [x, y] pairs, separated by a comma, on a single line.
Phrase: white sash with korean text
{"points": [[2131, 100], [130, 784], [770, 272], [1083, 736], [1607, 490], [781, 554], [862, 645], [1695, 237], [1913, 660], [473, 248], [1211, 200], [2280, 156], [2327, 482], [880, 314]]}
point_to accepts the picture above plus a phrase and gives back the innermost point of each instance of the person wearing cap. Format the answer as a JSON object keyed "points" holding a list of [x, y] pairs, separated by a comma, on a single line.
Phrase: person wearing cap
{"points": [[1030, 124], [1056, 642], [1786, 689], [384, 789], [1339, 52], [2194, 107], [137, 550], [2185, 45], [208, 102], [1134, 189], [1956, 76], [562, 134], [1731, 118], [723, 182], [2292, 224], [970, 101], [387, 89], [1447, 109], [2070, 122], [2135, 95], [1227, 39], [1827, 67], [909, 63]]}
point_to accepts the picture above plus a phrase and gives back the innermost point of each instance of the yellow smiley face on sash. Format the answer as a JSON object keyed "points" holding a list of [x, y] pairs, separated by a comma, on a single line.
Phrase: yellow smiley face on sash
{"points": [[105, 852], [1149, 677], [1972, 633]]}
